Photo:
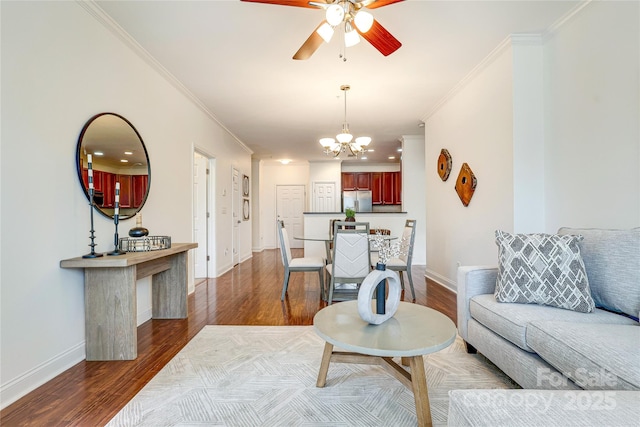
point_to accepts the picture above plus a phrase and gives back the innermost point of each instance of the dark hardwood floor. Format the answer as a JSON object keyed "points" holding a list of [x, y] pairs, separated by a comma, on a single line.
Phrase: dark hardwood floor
{"points": [[91, 393]]}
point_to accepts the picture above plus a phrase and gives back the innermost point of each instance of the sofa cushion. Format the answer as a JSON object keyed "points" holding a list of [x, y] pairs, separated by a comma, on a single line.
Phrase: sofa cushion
{"points": [[612, 262], [510, 320], [542, 269], [600, 356]]}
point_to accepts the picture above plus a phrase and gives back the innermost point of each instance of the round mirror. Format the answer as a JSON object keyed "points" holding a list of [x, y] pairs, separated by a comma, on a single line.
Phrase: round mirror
{"points": [[118, 156]]}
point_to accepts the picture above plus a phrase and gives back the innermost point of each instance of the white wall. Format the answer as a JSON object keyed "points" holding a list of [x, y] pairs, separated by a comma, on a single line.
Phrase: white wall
{"points": [[475, 126], [413, 192], [60, 66], [592, 112], [273, 174], [589, 128]]}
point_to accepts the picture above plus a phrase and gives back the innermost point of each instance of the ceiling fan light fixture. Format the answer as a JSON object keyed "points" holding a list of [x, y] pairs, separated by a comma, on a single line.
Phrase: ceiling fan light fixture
{"points": [[334, 14], [351, 37], [363, 21], [325, 31]]}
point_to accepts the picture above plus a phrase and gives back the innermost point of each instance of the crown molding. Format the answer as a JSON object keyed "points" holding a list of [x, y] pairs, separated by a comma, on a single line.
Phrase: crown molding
{"points": [[513, 39], [553, 28], [108, 22], [475, 71]]}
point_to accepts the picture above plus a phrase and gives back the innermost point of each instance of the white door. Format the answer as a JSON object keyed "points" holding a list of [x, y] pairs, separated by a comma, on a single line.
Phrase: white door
{"points": [[236, 210], [289, 208], [200, 214], [324, 196]]}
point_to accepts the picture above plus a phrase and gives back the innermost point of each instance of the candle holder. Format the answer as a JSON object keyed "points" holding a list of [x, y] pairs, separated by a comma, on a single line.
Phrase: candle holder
{"points": [[116, 240], [93, 253]]}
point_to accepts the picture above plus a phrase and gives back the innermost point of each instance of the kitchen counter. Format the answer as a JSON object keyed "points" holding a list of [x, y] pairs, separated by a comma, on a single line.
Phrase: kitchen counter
{"points": [[317, 223]]}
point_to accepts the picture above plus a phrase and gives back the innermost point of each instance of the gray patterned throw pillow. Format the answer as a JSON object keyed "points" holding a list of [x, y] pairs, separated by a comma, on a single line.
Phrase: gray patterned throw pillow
{"points": [[542, 269]]}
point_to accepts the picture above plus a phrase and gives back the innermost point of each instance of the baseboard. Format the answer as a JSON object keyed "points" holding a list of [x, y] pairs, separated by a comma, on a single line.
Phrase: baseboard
{"points": [[34, 378], [144, 316], [441, 280]]}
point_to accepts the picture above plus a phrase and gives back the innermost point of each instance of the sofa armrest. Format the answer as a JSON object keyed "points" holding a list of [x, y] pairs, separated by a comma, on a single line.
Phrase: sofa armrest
{"points": [[472, 281]]}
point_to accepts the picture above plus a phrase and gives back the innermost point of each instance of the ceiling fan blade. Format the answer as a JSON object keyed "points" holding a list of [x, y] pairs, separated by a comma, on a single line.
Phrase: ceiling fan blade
{"points": [[381, 39], [311, 45], [297, 3], [374, 4]]}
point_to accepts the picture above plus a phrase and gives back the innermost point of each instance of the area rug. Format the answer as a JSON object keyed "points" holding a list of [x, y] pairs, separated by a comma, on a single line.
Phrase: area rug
{"points": [[266, 376]]}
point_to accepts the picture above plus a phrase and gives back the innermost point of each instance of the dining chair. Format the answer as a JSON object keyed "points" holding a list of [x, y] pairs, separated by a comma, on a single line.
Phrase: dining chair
{"points": [[331, 228], [374, 250], [351, 257], [403, 262], [297, 264]]}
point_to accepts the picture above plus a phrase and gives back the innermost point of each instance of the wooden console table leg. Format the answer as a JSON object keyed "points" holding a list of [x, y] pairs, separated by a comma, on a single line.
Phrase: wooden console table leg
{"points": [[110, 313], [420, 391], [324, 365], [169, 290]]}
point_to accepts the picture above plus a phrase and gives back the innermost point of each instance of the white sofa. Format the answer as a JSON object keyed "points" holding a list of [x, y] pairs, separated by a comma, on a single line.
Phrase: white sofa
{"points": [[544, 347], [547, 347]]}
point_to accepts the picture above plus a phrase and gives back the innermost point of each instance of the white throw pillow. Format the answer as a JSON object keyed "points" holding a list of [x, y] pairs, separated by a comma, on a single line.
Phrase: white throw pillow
{"points": [[542, 269]]}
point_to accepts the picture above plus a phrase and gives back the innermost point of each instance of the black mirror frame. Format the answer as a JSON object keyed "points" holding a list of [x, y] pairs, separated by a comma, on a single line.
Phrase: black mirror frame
{"points": [[79, 168]]}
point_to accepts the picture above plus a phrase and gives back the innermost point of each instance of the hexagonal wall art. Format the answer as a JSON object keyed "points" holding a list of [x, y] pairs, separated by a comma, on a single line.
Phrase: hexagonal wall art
{"points": [[444, 164], [466, 184]]}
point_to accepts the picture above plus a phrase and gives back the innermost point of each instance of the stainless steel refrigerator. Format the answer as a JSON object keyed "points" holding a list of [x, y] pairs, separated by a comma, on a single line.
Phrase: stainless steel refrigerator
{"points": [[360, 201]]}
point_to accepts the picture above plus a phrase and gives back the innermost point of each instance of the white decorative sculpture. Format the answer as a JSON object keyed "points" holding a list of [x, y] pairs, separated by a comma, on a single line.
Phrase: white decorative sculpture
{"points": [[365, 295]]}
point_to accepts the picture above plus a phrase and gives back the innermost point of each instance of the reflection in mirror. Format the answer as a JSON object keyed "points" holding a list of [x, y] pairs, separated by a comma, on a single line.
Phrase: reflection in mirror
{"points": [[118, 155]]}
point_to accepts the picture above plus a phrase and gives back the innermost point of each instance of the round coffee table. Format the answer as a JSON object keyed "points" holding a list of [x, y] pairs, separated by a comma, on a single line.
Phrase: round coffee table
{"points": [[414, 331]]}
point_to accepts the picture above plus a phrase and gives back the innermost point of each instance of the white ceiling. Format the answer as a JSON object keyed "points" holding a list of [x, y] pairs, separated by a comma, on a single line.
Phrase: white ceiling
{"points": [[235, 57]]}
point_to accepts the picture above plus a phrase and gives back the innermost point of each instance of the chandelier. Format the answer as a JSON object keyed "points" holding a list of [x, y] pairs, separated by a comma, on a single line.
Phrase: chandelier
{"points": [[345, 140]]}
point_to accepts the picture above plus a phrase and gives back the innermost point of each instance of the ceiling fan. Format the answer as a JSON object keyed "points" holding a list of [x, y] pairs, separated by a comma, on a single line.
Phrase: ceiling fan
{"points": [[355, 20]]}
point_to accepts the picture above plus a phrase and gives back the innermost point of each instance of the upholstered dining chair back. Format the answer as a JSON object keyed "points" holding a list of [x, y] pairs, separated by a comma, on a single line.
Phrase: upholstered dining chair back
{"points": [[297, 264], [403, 262], [409, 236], [351, 256]]}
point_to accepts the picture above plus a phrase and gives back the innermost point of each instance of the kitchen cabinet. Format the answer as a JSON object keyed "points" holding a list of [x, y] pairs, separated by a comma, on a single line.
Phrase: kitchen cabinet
{"points": [[391, 188], [376, 188], [109, 189], [356, 181], [126, 196], [386, 187], [139, 189]]}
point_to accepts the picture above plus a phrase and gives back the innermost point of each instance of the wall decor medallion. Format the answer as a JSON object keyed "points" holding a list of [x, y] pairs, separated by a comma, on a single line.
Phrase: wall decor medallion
{"points": [[444, 164], [466, 184], [245, 210], [245, 186]]}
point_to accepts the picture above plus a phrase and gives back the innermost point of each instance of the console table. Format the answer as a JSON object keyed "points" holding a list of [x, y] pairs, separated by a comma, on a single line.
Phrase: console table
{"points": [[110, 296]]}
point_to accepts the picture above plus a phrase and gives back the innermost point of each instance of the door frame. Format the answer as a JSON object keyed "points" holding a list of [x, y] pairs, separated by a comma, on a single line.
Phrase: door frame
{"points": [[211, 209]]}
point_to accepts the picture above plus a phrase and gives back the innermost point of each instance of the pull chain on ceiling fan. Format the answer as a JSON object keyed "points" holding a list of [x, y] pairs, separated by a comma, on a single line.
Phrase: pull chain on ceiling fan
{"points": [[356, 23]]}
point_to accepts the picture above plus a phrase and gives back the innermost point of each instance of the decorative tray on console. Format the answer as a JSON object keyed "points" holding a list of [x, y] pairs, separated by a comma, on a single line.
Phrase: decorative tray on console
{"points": [[145, 244]]}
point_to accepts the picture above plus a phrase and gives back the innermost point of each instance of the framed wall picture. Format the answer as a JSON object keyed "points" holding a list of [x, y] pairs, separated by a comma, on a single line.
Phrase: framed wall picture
{"points": [[245, 209], [245, 186]]}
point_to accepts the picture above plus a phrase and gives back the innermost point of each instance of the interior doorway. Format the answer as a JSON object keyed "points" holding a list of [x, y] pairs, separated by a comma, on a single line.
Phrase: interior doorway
{"points": [[324, 197], [290, 208], [203, 224]]}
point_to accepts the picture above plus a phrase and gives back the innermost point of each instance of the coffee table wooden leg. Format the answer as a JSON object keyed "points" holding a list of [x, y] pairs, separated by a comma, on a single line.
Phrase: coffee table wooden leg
{"points": [[324, 365], [420, 391]]}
